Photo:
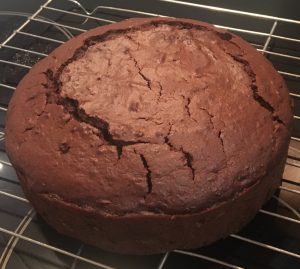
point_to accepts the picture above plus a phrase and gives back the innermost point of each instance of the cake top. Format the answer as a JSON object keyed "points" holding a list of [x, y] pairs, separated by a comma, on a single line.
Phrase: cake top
{"points": [[150, 87], [156, 115]]}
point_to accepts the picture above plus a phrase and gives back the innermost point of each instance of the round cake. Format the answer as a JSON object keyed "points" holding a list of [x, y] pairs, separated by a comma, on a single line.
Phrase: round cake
{"points": [[150, 134]]}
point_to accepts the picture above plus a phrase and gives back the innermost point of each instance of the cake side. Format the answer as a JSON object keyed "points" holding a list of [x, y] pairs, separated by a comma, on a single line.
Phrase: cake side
{"points": [[144, 234]]}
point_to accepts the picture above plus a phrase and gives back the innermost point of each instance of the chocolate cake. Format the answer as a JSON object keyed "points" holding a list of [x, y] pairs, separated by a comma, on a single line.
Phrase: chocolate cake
{"points": [[150, 134]]}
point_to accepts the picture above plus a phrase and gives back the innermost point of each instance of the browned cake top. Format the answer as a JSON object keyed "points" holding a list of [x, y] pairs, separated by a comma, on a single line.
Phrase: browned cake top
{"points": [[153, 115]]}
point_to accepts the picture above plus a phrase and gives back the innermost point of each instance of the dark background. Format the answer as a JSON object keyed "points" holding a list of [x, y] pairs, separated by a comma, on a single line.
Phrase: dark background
{"points": [[264, 228], [281, 8]]}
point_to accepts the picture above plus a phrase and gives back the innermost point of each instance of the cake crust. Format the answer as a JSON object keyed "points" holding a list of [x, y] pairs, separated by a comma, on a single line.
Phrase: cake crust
{"points": [[131, 132]]}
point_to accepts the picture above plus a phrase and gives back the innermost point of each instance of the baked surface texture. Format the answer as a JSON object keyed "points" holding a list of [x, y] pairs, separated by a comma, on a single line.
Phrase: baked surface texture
{"points": [[150, 134]]}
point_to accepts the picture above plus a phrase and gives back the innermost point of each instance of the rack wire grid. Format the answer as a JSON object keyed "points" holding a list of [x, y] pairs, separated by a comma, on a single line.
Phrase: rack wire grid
{"points": [[271, 240]]}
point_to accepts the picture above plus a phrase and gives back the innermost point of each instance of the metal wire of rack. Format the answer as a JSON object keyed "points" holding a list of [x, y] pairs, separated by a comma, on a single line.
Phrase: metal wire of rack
{"points": [[57, 23]]}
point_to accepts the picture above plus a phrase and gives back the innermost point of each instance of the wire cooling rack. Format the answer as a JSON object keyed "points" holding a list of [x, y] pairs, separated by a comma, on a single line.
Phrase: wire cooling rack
{"points": [[271, 240]]}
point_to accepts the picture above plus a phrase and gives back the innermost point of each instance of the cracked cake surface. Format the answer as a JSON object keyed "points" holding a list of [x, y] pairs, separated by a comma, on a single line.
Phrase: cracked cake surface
{"points": [[149, 117]]}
